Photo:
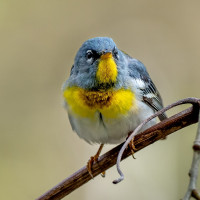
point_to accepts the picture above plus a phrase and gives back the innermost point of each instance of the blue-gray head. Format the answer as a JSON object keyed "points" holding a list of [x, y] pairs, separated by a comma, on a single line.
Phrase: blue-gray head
{"points": [[98, 64]]}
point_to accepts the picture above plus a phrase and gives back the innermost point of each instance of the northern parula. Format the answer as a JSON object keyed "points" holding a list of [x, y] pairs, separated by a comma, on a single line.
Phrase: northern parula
{"points": [[108, 93]]}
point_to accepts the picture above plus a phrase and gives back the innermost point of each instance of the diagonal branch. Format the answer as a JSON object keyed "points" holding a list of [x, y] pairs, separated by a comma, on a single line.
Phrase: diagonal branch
{"points": [[149, 136]]}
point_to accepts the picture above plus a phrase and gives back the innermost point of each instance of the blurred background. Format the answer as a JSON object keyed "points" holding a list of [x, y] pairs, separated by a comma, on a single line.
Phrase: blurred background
{"points": [[38, 42]]}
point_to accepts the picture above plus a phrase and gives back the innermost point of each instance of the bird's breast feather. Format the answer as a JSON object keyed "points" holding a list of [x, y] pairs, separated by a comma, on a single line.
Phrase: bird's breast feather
{"points": [[111, 103]]}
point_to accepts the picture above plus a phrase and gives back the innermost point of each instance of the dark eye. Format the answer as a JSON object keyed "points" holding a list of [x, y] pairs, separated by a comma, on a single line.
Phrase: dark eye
{"points": [[89, 54], [115, 53]]}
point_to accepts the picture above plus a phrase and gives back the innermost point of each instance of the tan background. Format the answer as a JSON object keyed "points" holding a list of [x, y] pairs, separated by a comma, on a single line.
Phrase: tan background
{"points": [[38, 42]]}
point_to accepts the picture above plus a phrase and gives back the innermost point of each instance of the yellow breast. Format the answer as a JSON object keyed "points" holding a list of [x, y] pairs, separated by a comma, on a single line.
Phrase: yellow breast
{"points": [[110, 103]]}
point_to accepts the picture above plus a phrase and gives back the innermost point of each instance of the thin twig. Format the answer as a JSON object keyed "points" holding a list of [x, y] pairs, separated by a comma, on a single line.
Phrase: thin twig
{"points": [[149, 136], [193, 101], [192, 191]]}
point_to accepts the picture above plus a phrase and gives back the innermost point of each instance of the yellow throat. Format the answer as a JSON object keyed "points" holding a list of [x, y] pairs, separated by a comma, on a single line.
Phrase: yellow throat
{"points": [[107, 69]]}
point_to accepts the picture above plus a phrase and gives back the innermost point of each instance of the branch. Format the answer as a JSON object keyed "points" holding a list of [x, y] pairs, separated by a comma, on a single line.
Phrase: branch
{"points": [[192, 191], [149, 136]]}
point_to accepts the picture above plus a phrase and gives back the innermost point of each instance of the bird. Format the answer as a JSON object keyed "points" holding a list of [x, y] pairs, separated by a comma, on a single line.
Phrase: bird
{"points": [[108, 94]]}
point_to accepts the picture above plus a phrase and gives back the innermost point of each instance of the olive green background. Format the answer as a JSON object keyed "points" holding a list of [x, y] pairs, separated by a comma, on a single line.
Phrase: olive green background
{"points": [[38, 42]]}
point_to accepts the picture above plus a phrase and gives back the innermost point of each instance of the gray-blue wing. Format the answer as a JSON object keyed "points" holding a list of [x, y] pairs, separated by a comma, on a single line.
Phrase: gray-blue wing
{"points": [[150, 94]]}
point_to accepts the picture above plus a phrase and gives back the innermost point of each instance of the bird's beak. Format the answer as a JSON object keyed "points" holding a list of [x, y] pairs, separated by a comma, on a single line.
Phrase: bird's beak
{"points": [[107, 69], [106, 55]]}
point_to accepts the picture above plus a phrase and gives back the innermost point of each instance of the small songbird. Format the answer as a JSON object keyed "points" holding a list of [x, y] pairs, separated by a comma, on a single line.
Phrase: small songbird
{"points": [[108, 94]]}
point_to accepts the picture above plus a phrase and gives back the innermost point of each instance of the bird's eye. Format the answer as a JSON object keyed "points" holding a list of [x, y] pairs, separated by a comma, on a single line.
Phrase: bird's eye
{"points": [[115, 53], [89, 54]]}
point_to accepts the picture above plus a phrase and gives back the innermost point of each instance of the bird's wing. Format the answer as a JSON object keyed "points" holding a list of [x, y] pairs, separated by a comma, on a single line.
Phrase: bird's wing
{"points": [[143, 82]]}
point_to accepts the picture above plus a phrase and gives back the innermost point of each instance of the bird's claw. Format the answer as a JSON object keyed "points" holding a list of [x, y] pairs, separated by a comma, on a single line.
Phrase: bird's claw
{"points": [[90, 163], [132, 147]]}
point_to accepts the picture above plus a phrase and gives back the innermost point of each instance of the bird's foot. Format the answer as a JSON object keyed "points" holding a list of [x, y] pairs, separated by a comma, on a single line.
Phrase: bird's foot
{"points": [[90, 163], [94, 159], [132, 147]]}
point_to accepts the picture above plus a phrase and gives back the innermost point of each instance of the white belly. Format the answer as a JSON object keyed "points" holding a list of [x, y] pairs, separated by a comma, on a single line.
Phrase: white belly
{"points": [[111, 131]]}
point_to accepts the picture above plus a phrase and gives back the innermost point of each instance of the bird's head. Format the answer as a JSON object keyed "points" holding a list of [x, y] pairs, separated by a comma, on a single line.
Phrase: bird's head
{"points": [[97, 65]]}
